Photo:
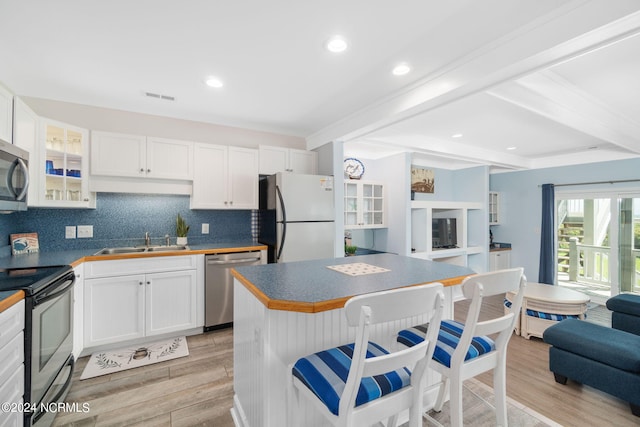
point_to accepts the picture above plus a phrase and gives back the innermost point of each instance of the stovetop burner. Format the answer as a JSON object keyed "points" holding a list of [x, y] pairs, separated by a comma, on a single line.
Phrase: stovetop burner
{"points": [[31, 280]]}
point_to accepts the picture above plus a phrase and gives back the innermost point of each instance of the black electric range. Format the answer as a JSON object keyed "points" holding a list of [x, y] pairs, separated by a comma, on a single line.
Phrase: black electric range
{"points": [[31, 280]]}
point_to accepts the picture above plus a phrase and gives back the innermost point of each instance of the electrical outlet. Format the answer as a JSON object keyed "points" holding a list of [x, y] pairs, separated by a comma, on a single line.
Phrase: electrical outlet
{"points": [[85, 231], [205, 228], [70, 232]]}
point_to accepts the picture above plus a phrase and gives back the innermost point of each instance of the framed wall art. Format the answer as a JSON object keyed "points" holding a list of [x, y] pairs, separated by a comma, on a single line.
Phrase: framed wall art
{"points": [[422, 180]]}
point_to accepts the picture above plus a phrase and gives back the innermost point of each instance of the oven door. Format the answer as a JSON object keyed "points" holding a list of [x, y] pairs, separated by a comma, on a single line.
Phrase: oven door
{"points": [[51, 335]]}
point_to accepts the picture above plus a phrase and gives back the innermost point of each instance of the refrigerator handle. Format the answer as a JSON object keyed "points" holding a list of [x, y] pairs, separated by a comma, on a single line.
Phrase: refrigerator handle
{"points": [[284, 223]]}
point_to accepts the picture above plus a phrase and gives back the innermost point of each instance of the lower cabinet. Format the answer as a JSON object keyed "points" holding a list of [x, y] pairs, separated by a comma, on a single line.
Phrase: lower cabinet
{"points": [[12, 363], [123, 307], [499, 260]]}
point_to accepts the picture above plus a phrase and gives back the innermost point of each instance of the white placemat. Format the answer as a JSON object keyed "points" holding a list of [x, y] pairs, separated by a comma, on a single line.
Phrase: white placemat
{"points": [[357, 269]]}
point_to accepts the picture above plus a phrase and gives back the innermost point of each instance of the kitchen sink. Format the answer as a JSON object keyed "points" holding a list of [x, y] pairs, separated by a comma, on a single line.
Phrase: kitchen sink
{"points": [[114, 251], [139, 249], [167, 248]]}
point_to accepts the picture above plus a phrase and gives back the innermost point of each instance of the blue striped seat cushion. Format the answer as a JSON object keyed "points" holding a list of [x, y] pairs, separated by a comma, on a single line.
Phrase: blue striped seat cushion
{"points": [[448, 338], [543, 315], [325, 374]]}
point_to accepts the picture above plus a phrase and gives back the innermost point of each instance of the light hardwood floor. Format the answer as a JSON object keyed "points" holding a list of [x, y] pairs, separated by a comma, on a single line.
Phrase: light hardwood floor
{"points": [[198, 389]]}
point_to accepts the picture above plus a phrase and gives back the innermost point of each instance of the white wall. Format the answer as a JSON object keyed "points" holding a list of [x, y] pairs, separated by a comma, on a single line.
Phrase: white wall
{"points": [[108, 120], [521, 198]]}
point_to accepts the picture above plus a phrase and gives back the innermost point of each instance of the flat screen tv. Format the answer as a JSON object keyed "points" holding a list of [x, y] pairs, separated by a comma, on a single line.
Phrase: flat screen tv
{"points": [[443, 233]]}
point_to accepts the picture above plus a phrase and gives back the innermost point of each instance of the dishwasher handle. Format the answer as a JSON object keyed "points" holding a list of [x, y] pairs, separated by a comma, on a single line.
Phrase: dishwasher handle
{"points": [[231, 261]]}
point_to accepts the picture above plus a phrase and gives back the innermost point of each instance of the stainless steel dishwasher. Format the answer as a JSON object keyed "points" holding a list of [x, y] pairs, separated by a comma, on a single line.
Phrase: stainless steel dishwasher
{"points": [[218, 289]]}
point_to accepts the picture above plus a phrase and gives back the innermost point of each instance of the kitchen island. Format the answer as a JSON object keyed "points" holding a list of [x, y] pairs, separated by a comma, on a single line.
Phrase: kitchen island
{"points": [[285, 311]]}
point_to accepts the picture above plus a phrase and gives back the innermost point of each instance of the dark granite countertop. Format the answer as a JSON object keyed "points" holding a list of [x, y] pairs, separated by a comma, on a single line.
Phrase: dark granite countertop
{"points": [[311, 286], [75, 257]]}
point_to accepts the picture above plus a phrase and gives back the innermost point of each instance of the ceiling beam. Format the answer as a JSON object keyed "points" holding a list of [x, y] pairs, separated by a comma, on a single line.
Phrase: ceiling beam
{"points": [[551, 96], [574, 29]]}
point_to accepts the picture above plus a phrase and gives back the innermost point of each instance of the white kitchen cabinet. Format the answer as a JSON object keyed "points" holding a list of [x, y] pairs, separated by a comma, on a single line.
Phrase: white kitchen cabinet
{"points": [[225, 177], [135, 298], [114, 309], [136, 156], [12, 362], [494, 208], [279, 159], [6, 114], [364, 205], [499, 260], [62, 166]]}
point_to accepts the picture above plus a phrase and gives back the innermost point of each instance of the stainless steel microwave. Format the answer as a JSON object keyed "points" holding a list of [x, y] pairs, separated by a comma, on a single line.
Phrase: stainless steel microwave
{"points": [[14, 178]]}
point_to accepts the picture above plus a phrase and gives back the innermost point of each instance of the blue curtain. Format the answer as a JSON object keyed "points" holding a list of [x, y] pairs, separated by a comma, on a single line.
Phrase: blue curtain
{"points": [[548, 263]]}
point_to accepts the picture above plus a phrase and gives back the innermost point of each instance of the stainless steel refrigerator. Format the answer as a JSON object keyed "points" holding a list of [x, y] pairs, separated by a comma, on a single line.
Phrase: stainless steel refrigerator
{"points": [[297, 216]]}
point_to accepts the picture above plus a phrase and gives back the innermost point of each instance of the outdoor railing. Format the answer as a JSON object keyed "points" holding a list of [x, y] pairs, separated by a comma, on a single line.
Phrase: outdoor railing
{"points": [[588, 263]]}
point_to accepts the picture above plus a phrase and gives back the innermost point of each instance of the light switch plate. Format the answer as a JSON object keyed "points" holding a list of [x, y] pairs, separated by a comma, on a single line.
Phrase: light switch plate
{"points": [[70, 232], [85, 231], [205, 228]]}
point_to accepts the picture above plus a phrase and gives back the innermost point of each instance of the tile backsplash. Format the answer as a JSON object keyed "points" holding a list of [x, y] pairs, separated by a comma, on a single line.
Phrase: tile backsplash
{"points": [[122, 219]]}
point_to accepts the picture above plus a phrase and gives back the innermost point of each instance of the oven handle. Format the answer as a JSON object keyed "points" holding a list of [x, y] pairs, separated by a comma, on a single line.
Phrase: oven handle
{"points": [[64, 389], [63, 285]]}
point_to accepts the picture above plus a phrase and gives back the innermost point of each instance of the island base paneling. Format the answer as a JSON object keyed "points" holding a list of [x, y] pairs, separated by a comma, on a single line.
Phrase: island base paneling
{"points": [[268, 342]]}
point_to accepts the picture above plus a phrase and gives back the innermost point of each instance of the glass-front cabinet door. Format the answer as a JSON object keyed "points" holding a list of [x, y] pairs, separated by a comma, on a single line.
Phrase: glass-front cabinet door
{"points": [[350, 204], [65, 166], [364, 205]]}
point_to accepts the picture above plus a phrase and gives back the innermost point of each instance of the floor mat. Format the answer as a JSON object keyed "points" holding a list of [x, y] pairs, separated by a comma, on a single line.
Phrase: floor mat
{"points": [[108, 362]]}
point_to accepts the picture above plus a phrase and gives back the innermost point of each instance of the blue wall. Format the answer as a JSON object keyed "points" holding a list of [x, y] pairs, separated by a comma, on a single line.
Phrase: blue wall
{"points": [[123, 219], [521, 204]]}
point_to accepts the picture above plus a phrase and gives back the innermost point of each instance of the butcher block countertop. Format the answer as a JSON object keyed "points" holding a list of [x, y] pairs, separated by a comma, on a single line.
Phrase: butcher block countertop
{"points": [[9, 298], [314, 286]]}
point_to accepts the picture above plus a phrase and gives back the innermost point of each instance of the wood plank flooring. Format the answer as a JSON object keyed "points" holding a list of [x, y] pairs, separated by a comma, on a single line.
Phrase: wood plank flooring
{"points": [[198, 390]]}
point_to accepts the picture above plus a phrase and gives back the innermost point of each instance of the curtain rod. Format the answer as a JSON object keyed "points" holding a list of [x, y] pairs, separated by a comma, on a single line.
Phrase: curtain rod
{"points": [[595, 182]]}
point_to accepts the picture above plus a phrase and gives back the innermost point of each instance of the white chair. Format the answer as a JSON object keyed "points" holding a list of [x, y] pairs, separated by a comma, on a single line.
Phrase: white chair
{"points": [[362, 383], [465, 350]]}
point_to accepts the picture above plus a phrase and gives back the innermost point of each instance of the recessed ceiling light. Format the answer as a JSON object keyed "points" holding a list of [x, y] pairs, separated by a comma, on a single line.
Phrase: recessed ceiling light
{"points": [[214, 82], [511, 148], [337, 44], [456, 135], [401, 69]]}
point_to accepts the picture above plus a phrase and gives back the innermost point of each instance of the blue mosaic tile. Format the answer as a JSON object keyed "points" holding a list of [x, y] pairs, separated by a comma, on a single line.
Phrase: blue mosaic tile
{"points": [[122, 220]]}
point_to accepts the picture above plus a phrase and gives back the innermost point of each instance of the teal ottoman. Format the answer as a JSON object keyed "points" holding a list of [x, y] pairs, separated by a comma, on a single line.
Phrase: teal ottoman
{"points": [[604, 358]]}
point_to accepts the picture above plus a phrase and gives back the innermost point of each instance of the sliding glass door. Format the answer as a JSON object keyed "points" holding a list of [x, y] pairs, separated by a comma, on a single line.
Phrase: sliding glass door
{"points": [[598, 243], [629, 242]]}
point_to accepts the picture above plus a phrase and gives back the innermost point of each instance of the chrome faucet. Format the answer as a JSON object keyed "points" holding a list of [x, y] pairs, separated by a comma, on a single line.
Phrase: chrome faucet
{"points": [[147, 239]]}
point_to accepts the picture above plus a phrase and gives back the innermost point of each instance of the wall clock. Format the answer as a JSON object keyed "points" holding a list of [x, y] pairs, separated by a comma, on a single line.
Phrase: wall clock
{"points": [[353, 168]]}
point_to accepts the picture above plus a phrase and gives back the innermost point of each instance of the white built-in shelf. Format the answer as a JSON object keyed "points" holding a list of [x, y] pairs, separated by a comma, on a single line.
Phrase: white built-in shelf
{"points": [[470, 226]]}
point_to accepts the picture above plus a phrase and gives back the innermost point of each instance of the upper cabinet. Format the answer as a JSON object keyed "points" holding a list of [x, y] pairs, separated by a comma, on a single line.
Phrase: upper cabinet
{"points": [[6, 114], [225, 177], [279, 159], [494, 208], [364, 205], [134, 156], [61, 164]]}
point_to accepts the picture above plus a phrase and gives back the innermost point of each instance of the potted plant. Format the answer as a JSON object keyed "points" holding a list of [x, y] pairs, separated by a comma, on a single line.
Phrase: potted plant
{"points": [[181, 230], [350, 250]]}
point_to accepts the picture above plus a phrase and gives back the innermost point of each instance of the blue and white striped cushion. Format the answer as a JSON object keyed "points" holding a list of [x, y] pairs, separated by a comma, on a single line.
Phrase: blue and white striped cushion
{"points": [[325, 374], [448, 339], [543, 315]]}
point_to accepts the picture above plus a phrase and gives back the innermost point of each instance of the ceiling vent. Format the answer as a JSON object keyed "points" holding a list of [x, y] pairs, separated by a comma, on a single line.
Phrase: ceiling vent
{"points": [[159, 96]]}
